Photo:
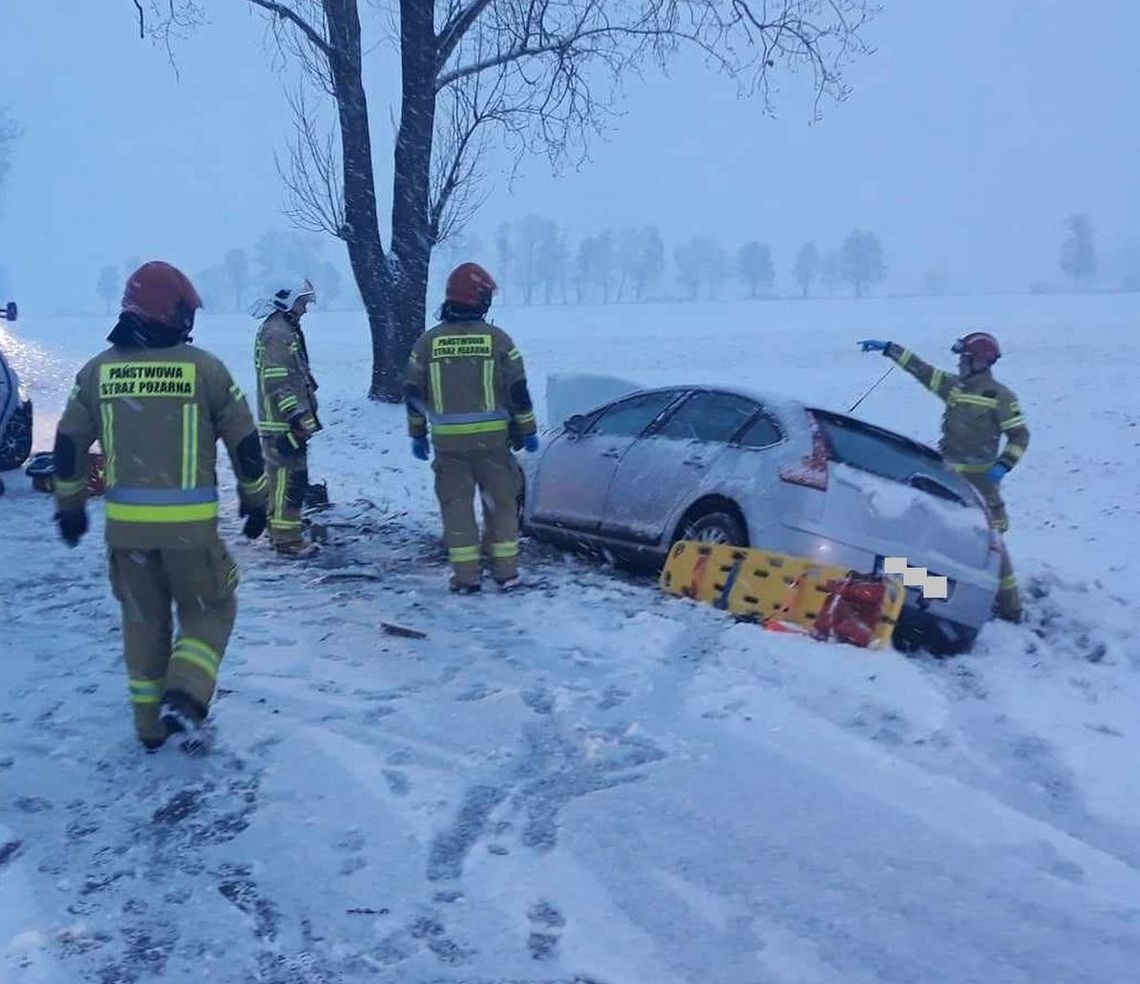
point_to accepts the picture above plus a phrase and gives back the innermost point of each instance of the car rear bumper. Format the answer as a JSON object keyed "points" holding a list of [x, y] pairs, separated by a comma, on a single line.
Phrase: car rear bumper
{"points": [[971, 599]]}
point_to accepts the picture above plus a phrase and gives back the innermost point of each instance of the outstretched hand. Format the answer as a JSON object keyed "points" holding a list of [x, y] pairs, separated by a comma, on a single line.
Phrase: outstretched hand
{"points": [[873, 345]]}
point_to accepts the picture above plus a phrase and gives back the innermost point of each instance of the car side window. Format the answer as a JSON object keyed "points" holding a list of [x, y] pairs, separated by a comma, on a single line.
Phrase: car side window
{"points": [[712, 417], [630, 417], [761, 433]]}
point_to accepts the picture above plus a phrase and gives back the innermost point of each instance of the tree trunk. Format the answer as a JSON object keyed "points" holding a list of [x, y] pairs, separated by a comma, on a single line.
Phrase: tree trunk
{"points": [[413, 237], [361, 231]]}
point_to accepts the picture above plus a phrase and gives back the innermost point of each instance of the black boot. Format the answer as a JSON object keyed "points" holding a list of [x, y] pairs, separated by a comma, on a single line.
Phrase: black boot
{"points": [[182, 715]]}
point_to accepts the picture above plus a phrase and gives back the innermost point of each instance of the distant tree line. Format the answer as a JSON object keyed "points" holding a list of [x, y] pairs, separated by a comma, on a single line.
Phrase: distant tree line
{"points": [[243, 275], [535, 261]]}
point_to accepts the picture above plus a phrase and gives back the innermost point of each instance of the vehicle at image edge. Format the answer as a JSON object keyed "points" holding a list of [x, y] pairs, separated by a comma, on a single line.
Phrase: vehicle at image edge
{"points": [[15, 407], [724, 465]]}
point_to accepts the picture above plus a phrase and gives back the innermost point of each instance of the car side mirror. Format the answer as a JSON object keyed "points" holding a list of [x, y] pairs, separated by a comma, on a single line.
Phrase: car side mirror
{"points": [[10, 311], [577, 424]]}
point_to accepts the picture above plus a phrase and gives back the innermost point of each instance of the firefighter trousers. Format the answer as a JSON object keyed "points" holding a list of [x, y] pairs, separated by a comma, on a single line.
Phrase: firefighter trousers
{"points": [[495, 475], [200, 583], [1008, 601], [288, 481]]}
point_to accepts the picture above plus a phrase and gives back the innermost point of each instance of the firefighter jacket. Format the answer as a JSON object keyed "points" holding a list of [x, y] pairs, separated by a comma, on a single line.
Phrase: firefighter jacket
{"points": [[286, 389], [467, 381], [979, 410], [158, 414]]}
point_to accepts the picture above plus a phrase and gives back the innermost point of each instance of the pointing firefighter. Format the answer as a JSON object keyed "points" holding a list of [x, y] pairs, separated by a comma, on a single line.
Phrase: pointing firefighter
{"points": [[158, 407], [466, 382], [287, 412], [979, 410]]}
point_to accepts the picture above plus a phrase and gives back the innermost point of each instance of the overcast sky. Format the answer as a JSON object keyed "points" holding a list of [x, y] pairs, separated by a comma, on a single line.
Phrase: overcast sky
{"points": [[972, 132]]}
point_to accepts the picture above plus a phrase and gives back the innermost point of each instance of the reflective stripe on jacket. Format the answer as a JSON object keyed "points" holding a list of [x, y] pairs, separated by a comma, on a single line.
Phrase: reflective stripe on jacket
{"points": [[467, 383], [285, 384], [979, 410], [158, 415]]}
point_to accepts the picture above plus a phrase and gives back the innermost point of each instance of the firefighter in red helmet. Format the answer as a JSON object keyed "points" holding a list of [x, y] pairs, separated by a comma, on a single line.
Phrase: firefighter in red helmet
{"points": [[466, 385], [158, 406], [979, 410]]}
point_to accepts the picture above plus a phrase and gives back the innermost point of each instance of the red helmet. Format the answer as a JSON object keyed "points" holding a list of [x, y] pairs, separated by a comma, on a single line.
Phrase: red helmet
{"points": [[156, 291], [980, 346], [470, 286]]}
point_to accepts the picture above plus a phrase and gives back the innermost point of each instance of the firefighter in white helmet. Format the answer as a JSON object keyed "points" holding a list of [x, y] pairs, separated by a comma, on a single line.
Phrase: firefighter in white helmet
{"points": [[287, 411]]}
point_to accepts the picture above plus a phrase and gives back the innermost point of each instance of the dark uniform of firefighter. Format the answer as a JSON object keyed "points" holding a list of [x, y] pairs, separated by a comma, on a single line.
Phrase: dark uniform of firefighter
{"points": [[157, 405], [287, 414], [979, 410], [466, 382]]}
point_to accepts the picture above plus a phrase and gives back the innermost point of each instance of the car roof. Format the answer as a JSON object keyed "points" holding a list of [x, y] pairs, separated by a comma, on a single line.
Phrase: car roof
{"points": [[783, 406], [771, 401]]}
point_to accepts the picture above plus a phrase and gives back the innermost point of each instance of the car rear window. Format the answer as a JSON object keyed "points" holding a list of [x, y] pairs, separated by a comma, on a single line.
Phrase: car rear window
{"points": [[862, 446]]}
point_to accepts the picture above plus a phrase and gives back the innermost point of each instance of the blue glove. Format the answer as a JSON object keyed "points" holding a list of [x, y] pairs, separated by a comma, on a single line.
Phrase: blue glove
{"points": [[873, 345], [531, 443], [420, 448], [997, 472]]}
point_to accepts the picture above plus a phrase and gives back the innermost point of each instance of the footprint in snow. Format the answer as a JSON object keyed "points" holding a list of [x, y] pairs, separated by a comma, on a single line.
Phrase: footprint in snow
{"points": [[546, 923], [539, 699], [398, 782]]}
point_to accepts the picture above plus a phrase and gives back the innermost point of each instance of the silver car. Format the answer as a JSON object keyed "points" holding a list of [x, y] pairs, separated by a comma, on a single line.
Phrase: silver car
{"points": [[635, 475]]}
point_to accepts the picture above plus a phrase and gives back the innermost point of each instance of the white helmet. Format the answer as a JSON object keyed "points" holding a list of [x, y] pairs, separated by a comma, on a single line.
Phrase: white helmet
{"points": [[284, 299]]}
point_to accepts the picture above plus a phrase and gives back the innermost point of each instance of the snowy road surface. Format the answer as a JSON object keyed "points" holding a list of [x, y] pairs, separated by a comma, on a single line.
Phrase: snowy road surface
{"points": [[591, 782]]}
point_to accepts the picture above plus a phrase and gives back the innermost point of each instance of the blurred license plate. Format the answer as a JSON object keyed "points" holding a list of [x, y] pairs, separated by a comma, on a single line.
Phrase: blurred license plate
{"points": [[914, 594]]}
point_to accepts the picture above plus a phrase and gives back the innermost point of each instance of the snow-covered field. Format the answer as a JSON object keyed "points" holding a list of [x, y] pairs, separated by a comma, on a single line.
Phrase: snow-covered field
{"points": [[591, 782]]}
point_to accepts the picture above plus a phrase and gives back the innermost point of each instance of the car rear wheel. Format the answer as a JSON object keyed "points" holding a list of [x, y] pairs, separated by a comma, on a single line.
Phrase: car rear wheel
{"points": [[16, 441], [715, 527]]}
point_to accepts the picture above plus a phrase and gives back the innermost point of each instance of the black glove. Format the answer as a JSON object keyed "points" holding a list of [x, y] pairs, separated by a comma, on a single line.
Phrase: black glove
{"points": [[256, 519], [72, 525]]}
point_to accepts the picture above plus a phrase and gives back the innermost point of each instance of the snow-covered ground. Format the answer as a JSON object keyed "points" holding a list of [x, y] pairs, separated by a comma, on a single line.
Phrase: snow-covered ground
{"points": [[591, 782]]}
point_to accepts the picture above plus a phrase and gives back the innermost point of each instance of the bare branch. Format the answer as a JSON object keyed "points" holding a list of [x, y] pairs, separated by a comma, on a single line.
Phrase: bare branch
{"points": [[287, 13], [311, 174], [142, 19], [454, 31]]}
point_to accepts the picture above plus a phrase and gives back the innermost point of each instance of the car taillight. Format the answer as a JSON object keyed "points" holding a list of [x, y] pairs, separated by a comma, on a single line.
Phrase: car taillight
{"points": [[811, 470]]}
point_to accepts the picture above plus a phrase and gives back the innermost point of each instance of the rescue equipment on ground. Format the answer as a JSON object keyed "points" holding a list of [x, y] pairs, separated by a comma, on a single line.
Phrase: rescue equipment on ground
{"points": [[787, 594]]}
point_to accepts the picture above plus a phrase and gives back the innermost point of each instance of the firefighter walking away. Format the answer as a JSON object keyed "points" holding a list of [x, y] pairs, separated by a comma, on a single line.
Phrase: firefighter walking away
{"points": [[287, 412], [158, 406], [467, 385], [979, 410]]}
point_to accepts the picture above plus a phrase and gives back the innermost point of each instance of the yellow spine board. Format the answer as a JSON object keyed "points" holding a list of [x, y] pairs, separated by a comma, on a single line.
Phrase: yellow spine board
{"points": [[771, 588]]}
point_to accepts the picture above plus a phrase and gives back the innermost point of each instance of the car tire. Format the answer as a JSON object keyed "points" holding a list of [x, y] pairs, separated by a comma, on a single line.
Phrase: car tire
{"points": [[16, 441], [717, 527]]}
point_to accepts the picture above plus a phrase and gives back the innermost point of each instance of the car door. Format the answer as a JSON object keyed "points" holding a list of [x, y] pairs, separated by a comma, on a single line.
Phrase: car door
{"points": [[668, 466], [574, 475]]}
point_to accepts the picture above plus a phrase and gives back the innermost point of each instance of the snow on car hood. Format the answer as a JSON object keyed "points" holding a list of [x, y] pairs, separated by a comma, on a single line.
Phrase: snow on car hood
{"points": [[568, 393], [892, 500]]}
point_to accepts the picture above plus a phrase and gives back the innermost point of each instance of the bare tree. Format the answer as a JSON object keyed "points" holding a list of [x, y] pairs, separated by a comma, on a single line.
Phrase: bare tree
{"points": [[505, 254], [689, 259], [807, 266], [236, 266], [536, 237], [535, 75], [1078, 251], [109, 287], [754, 267], [9, 131], [831, 271], [862, 260], [641, 259], [552, 263]]}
